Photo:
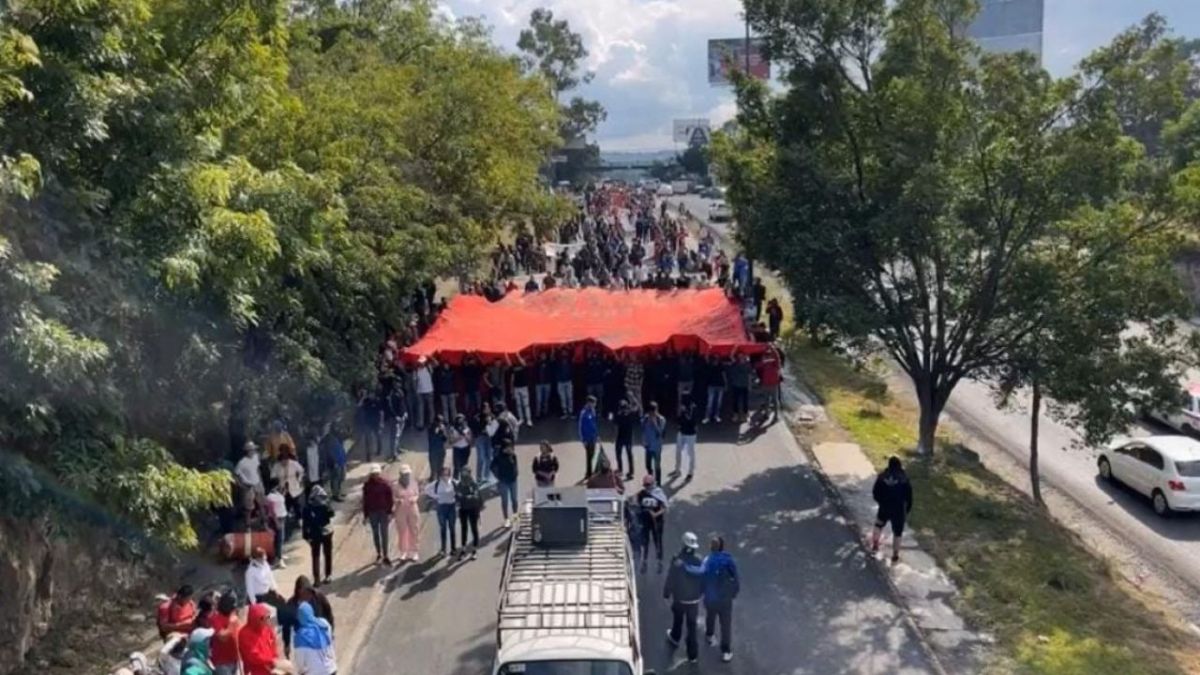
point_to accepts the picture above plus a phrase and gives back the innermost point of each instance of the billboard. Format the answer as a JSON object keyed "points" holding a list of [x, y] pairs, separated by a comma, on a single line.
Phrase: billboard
{"points": [[724, 55], [695, 131], [1009, 26]]}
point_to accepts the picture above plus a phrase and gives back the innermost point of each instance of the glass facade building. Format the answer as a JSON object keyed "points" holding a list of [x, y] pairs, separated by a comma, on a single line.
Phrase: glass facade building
{"points": [[1009, 26]]}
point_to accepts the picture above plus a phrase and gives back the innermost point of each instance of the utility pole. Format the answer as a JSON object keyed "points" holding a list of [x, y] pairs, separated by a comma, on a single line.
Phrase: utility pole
{"points": [[748, 284]]}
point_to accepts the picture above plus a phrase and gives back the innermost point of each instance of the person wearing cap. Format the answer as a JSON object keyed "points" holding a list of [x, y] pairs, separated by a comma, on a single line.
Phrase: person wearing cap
{"points": [[685, 590], [318, 532], [378, 503], [652, 505], [408, 515], [196, 658]]}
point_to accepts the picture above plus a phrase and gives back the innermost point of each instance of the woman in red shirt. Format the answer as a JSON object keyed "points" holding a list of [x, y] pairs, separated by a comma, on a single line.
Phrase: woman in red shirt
{"points": [[256, 642]]}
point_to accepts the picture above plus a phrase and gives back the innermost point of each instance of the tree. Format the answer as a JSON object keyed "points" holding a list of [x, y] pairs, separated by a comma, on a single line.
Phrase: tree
{"points": [[905, 184], [551, 49], [694, 160]]}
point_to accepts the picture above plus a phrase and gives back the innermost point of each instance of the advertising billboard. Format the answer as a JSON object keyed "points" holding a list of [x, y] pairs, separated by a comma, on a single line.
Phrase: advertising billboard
{"points": [[694, 131], [730, 54]]}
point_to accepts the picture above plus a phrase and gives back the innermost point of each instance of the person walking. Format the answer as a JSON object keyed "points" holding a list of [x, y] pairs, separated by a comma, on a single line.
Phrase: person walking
{"points": [[318, 532], [442, 492], [894, 495], [333, 455], [313, 653], [460, 444], [721, 586], [423, 383], [408, 515], [504, 468], [685, 438], [652, 504], [627, 418], [770, 376], [378, 503], [436, 443], [589, 434], [654, 426], [685, 591], [716, 378], [470, 504]]}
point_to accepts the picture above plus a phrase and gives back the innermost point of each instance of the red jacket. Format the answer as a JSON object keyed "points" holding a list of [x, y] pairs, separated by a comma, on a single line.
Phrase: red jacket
{"points": [[769, 370], [377, 496]]}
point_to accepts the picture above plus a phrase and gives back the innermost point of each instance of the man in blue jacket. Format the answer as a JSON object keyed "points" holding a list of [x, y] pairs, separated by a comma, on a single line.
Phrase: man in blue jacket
{"points": [[589, 434], [721, 586]]}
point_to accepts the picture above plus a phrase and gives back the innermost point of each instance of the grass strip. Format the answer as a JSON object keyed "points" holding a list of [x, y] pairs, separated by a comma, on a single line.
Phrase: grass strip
{"points": [[1054, 607]]}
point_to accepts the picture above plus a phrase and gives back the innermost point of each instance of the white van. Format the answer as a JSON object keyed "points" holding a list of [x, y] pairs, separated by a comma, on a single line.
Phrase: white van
{"points": [[571, 610]]}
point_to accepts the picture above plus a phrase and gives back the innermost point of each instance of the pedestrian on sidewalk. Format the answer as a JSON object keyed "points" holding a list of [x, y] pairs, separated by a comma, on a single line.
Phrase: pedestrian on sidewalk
{"points": [[589, 434], [318, 532], [770, 376], [437, 435], [685, 439], [627, 418], [685, 591], [482, 426], [423, 383], [545, 465], [395, 418], [544, 376], [277, 513], [893, 493], [408, 515], [256, 643], [443, 492], [774, 318], [378, 502], [470, 504], [504, 468], [460, 444], [260, 580], [652, 504], [225, 624], [444, 386], [654, 427], [248, 472], [290, 474], [313, 653], [739, 373]]}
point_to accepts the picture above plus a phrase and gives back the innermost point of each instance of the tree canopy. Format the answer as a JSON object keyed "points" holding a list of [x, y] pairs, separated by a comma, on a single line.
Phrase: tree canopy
{"points": [[940, 203], [212, 210]]}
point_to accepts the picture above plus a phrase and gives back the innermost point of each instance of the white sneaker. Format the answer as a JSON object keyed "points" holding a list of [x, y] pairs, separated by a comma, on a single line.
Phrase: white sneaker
{"points": [[727, 657], [718, 419]]}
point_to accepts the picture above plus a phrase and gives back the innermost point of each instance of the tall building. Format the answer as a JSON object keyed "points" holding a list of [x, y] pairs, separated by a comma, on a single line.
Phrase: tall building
{"points": [[1009, 26]]}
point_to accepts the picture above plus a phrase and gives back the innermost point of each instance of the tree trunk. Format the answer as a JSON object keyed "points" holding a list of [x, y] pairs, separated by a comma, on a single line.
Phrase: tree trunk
{"points": [[931, 411], [1035, 411]]}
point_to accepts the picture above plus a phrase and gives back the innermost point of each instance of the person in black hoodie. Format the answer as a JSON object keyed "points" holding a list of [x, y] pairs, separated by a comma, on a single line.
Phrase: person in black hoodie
{"points": [[504, 468], [628, 419], [685, 591], [894, 495], [318, 533]]}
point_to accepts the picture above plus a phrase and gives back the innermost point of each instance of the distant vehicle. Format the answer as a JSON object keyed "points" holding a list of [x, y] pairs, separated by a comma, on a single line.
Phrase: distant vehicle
{"points": [[719, 212], [1185, 417], [665, 190], [570, 610], [681, 187], [712, 193], [1164, 468]]}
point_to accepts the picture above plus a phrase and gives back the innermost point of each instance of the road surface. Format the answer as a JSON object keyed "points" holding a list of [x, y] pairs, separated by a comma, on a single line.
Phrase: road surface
{"points": [[810, 603]]}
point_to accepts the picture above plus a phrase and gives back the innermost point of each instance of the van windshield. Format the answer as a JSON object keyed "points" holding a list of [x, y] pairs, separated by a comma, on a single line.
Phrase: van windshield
{"points": [[1188, 469], [565, 668]]}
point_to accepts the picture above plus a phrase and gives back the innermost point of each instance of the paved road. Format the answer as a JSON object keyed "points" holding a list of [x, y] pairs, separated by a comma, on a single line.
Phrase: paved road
{"points": [[810, 603], [1066, 464]]}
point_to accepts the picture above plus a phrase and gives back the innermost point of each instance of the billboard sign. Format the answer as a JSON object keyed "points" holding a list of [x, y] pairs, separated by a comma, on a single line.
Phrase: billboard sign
{"points": [[695, 131], [725, 56]]}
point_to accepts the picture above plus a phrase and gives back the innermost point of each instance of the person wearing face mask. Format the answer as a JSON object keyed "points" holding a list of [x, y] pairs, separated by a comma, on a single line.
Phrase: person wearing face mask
{"points": [[504, 468], [408, 515], [459, 435]]}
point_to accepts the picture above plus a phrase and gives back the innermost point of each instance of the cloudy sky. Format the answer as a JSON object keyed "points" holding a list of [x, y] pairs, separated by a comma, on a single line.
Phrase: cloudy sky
{"points": [[650, 63]]}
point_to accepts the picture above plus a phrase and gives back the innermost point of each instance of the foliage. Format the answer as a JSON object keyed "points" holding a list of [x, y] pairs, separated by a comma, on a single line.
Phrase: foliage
{"points": [[694, 160], [920, 196], [211, 205]]}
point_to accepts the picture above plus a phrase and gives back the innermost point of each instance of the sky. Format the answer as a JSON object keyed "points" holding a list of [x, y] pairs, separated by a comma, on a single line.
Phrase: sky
{"points": [[650, 65]]}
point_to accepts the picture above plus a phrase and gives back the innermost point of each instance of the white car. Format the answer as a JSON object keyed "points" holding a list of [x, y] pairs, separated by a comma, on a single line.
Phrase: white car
{"points": [[1164, 468], [665, 190], [719, 212], [1185, 417]]}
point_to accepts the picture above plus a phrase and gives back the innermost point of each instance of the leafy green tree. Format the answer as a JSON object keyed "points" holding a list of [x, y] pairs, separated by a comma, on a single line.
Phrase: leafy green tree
{"points": [[694, 160], [905, 184]]}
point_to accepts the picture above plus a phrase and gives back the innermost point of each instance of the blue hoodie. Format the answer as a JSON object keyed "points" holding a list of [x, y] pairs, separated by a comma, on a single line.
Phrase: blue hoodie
{"points": [[721, 581], [589, 430]]}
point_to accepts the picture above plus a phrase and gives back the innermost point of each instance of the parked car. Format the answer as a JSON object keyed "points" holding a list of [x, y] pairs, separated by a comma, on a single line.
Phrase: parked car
{"points": [[719, 212], [712, 193], [665, 190], [1164, 468], [1185, 416]]}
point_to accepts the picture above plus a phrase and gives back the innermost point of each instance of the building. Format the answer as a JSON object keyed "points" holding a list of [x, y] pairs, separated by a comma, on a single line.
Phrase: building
{"points": [[1009, 26]]}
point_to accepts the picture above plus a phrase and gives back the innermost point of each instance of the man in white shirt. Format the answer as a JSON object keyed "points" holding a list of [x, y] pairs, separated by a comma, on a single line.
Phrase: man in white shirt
{"points": [[260, 580], [277, 512], [289, 474], [249, 478], [423, 377]]}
